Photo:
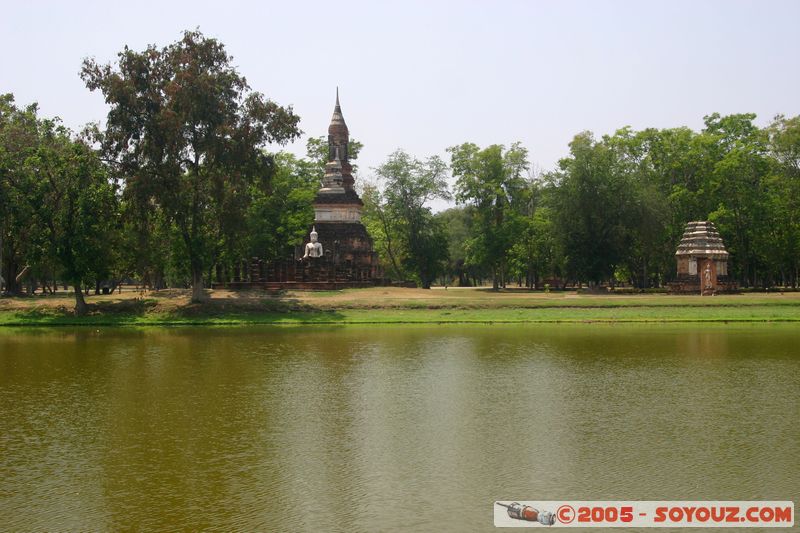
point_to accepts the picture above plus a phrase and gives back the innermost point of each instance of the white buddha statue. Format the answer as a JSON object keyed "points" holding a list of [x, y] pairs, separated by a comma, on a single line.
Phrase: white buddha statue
{"points": [[313, 248]]}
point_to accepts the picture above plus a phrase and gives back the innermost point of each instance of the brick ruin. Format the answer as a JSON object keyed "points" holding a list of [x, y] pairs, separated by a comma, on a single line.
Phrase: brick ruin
{"points": [[344, 256], [702, 262]]}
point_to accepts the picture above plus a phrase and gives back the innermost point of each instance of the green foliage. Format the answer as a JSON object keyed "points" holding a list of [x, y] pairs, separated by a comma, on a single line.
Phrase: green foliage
{"points": [[457, 224], [491, 181], [381, 228], [317, 152], [594, 201], [147, 243], [742, 213], [278, 218], [624, 200], [19, 140], [413, 239], [58, 204], [186, 133], [783, 190]]}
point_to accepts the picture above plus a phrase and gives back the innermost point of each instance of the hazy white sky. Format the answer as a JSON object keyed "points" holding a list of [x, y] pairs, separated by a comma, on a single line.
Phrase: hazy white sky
{"points": [[427, 75]]}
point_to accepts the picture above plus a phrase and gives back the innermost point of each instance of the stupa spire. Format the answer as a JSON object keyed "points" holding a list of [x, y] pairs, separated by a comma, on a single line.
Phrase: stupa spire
{"points": [[338, 126], [338, 141]]}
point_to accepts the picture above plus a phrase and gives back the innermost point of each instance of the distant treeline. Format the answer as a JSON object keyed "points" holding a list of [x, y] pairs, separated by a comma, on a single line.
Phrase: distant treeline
{"points": [[178, 190], [614, 210]]}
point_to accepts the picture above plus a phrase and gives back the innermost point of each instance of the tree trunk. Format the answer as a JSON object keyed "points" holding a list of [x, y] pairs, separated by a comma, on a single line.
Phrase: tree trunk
{"points": [[198, 291], [80, 303], [425, 280], [529, 276], [12, 285]]}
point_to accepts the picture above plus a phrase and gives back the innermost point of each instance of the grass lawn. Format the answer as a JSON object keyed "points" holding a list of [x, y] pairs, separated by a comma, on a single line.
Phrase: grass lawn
{"points": [[394, 306]]}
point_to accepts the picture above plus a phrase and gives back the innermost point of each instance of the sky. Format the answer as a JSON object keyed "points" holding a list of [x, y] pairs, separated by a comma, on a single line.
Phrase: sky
{"points": [[423, 76]]}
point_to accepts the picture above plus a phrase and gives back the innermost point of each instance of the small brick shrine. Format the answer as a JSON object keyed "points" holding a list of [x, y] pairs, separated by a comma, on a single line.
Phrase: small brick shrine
{"points": [[702, 262]]}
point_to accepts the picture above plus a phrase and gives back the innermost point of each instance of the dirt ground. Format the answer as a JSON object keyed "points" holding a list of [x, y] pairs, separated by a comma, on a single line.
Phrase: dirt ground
{"points": [[382, 297]]}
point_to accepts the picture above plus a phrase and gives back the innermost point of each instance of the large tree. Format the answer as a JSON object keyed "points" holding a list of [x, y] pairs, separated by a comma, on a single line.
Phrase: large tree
{"points": [[743, 213], [593, 202], [380, 226], [60, 198], [187, 133], [19, 140], [409, 184], [492, 181], [534, 253], [784, 190]]}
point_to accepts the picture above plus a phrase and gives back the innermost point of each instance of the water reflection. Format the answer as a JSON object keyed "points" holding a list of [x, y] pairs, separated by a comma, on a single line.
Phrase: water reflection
{"points": [[378, 428]]}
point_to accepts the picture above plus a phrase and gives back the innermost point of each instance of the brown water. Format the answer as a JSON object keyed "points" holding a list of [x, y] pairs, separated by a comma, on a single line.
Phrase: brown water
{"points": [[386, 428]]}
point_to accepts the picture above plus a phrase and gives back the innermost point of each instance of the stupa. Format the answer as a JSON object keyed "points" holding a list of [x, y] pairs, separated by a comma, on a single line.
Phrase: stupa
{"points": [[337, 211], [337, 251]]}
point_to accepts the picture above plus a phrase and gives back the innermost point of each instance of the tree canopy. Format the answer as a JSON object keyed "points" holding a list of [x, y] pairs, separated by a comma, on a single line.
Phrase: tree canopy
{"points": [[187, 134], [58, 204], [412, 236], [492, 181]]}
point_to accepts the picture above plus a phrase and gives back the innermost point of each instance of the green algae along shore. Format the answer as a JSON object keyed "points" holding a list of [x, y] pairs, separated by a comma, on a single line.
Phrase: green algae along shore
{"points": [[382, 305]]}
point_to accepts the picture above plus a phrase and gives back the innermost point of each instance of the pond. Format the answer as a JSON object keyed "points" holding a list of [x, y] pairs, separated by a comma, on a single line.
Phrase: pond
{"points": [[383, 428]]}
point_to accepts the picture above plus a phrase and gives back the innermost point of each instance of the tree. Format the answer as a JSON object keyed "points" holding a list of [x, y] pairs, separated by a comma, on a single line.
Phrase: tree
{"points": [[409, 184], [491, 180], [457, 222], [743, 214], [646, 242], [19, 140], [279, 218], [784, 191], [593, 205], [534, 253], [146, 240], [187, 133], [62, 193], [380, 225], [672, 187]]}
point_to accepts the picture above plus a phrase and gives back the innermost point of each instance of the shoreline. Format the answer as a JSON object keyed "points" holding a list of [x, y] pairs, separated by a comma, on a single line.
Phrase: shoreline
{"points": [[169, 324], [396, 306]]}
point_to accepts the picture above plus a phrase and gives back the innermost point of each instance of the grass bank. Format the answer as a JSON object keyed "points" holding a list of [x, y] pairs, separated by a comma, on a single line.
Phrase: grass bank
{"points": [[394, 306]]}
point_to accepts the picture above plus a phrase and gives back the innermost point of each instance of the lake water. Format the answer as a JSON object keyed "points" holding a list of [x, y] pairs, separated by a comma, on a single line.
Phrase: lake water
{"points": [[386, 428]]}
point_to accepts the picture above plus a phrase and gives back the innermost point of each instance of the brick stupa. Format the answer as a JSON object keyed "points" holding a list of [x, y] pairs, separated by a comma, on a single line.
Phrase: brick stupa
{"points": [[337, 210]]}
